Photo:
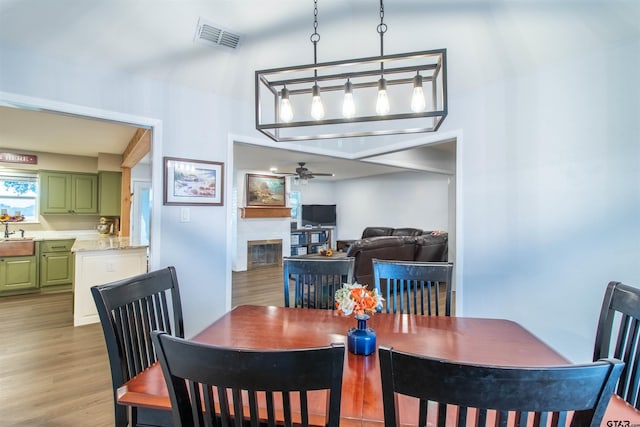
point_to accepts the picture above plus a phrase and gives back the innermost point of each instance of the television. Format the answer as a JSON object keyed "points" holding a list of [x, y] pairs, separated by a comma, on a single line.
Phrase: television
{"points": [[318, 215]]}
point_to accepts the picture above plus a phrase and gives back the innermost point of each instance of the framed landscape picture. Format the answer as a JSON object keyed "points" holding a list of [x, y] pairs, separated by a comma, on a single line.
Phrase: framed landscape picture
{"points": [[265, 190], [193, 182]]}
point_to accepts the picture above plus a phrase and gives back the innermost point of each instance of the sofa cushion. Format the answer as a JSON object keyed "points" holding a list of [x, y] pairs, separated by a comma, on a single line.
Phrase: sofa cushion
{"points": [[406, 232], [384, 247], [432, 247], [376, 231]]}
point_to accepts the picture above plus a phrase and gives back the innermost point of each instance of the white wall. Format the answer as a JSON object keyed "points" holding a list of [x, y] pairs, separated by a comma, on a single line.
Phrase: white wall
{"points": [[550, 182], [407, 199], [551, 191], [194, 125]]}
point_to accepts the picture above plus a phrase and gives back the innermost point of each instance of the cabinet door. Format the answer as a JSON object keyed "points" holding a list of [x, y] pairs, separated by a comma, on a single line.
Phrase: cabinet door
{"points": [[18, 273], [55, 193], [56, 268], [84, 194], [109, 191]]}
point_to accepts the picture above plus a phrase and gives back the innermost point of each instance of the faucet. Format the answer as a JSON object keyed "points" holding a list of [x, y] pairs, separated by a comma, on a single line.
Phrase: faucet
{"points": [[6, 230]]}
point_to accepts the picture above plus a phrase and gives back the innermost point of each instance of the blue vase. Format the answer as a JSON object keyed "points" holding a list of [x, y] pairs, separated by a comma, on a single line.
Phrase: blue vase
{"points": [[361, 340]]}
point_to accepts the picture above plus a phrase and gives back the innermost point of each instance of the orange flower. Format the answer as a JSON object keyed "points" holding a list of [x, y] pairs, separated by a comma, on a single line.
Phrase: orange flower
{"points": [[355, 298]]}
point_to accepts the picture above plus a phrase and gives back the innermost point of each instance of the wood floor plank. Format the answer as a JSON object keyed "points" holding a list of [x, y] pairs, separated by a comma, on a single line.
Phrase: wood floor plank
{"points": [[56, 375]]}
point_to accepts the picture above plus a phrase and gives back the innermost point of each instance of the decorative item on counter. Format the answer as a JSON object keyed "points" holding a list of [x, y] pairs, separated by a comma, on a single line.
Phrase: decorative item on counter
{"points": [[16, 217], [105, 226], [326, 252], [357, 299]]}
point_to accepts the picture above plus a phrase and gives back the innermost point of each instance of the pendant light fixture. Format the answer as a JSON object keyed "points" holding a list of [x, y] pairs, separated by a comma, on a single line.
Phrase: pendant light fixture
{"points": [[348, 104], [382, 102], [395, 94], [286, 113], [317, 109]]}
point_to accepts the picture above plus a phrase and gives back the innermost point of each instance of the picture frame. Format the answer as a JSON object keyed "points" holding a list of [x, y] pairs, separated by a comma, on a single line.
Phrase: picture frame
{"points": [[265, 190], [193, 182]]}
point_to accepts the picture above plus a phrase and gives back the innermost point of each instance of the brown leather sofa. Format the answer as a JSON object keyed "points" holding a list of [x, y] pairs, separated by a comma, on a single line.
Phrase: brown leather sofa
{"points": [[408, 244]]}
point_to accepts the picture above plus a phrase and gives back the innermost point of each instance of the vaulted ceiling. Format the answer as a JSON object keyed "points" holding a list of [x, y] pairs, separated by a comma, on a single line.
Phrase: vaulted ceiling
{"points": [[485, 39]]}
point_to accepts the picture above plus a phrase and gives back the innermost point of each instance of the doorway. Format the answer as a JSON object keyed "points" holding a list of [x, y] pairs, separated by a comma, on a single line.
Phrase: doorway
{"points": [[153, 208], [141, 211], [402, 156]]}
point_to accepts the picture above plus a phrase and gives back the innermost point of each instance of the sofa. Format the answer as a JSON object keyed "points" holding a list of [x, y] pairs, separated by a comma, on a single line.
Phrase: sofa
{"points": [[403, 244]]}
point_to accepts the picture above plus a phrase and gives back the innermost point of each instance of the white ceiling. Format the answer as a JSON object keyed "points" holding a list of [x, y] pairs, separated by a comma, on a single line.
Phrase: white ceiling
{"points": [[485, 40], [63, 134]]}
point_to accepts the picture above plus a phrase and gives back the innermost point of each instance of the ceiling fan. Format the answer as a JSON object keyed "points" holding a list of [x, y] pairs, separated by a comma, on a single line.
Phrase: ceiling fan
{"points": [[303, 173]]}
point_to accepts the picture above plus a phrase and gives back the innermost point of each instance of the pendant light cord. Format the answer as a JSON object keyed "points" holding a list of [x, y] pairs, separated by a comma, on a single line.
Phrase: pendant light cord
{"points": [[381, 29], [315, 36]]}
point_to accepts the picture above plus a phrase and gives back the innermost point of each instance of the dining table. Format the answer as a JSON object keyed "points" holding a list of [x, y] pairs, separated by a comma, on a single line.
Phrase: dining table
{"points": [[464, 339]]}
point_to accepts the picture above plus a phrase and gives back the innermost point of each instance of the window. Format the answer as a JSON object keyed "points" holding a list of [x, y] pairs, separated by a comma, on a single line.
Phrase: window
{"points": [[19, 194]]}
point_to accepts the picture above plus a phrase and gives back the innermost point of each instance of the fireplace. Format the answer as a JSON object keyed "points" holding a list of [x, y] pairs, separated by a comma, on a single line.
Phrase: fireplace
{"points": [[264, 253]]}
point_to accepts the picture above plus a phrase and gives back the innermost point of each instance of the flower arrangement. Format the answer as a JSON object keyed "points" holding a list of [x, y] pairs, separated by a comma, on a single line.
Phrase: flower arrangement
{"points": [[356, 298]]}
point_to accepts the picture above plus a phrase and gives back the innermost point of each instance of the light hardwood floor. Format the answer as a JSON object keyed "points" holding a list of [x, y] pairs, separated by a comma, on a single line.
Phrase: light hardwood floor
{"points": [[55, 375]]}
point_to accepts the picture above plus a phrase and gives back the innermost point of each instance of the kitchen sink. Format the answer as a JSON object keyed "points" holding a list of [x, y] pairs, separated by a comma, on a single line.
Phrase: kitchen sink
{"points": [[18, 246]]}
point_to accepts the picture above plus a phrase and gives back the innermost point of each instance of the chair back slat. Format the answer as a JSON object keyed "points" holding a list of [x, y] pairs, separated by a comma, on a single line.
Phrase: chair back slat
{"points": [[129, 310], [315, 280], [618, 336], [575, 395], [248, 381], [414, 287]]}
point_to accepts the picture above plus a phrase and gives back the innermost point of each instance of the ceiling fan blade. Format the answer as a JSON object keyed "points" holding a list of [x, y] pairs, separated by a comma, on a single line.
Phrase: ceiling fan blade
{"points": [[323, 174]]}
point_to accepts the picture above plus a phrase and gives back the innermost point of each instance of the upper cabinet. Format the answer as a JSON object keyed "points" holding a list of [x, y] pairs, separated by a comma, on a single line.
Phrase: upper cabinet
{"points": [[68, 193], [109, 193]]}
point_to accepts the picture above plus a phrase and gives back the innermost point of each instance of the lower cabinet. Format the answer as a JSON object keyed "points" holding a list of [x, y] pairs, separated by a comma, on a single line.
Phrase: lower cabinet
{"points": [[97, 267], [18, 273], [56, 263]]}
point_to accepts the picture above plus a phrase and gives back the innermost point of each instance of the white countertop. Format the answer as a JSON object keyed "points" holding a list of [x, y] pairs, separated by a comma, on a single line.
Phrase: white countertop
{"points": [[86, 240], [59, 234], [106, 242]]}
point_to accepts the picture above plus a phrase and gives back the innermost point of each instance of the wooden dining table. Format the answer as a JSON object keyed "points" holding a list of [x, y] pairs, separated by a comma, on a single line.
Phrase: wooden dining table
{"points": [[474, 340]]}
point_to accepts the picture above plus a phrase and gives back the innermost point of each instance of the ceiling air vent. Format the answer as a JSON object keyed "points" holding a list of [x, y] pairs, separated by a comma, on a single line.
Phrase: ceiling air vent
{"points": [[211, 34]]}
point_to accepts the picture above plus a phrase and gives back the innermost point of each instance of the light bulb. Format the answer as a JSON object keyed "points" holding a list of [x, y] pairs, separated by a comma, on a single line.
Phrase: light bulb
{"points": [[286, 112], [317, 110], [418, 103], [348, 106], [382, 105]]}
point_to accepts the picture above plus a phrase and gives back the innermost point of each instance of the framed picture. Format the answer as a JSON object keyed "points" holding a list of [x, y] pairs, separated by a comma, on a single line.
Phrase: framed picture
{"points": [[265, 190], [193, 182]]}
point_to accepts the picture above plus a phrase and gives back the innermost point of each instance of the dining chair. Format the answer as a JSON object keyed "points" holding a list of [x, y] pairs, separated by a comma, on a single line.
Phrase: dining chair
{"points": [[129, 310], [617, 335], [210, 385], [315, 280], [575, 395], [414, 287]]}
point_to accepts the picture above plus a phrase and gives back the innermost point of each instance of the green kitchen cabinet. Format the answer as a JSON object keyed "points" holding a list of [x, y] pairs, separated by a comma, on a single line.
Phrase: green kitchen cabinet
{"points": [[68, 193], [56, 263], [18, 273], [109, 193]]}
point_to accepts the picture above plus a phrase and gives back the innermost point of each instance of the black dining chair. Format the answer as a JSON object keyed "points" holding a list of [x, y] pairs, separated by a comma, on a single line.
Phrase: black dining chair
{"points": [[129, 310], [414, 287], [618, 335], [315, 280], [211, 385], [575, 395]]}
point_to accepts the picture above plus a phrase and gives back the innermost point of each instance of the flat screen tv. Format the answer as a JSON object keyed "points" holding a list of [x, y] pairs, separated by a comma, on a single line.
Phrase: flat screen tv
{"points": [[318, 215]]}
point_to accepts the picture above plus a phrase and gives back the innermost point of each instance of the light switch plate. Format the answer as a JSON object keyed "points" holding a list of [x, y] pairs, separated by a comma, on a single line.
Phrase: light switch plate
{"points": [[185, 215]]}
